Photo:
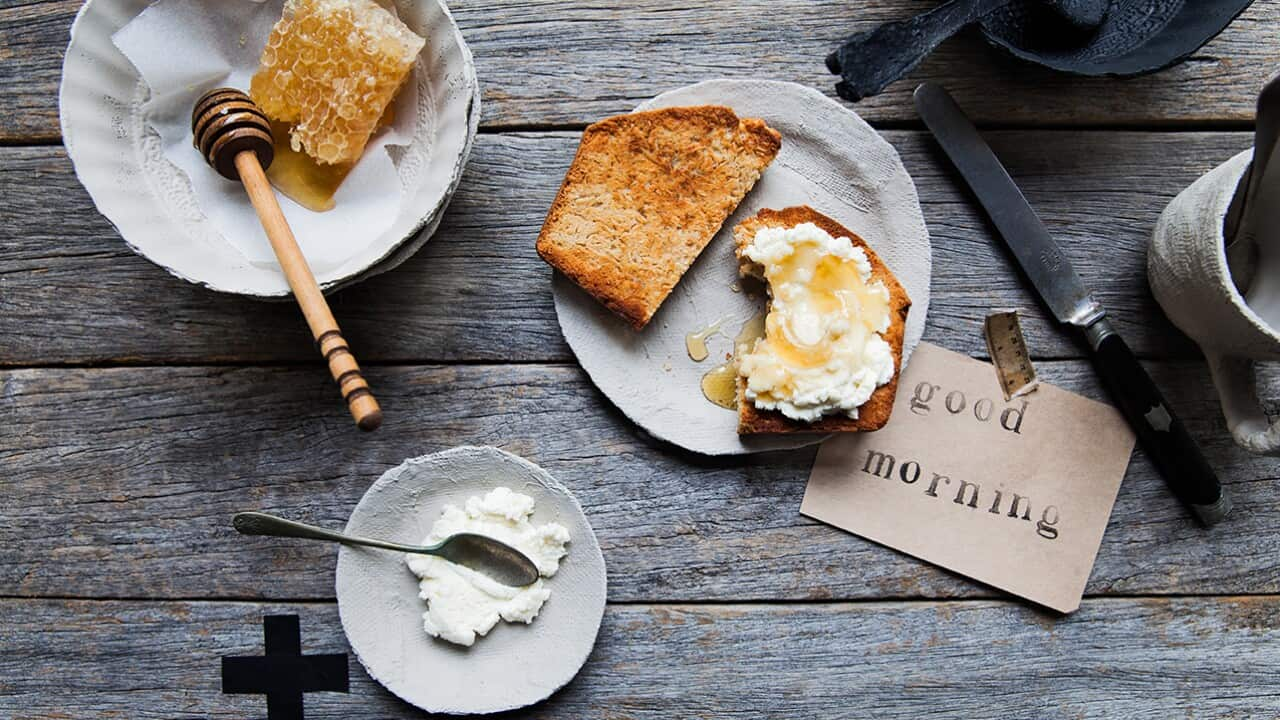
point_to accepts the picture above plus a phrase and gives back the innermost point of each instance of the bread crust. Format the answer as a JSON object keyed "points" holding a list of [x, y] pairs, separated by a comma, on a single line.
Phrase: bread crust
{"points": [[874, 413], [645, 194]]}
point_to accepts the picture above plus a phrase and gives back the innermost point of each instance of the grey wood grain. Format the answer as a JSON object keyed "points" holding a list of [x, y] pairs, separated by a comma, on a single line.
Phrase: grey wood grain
{"points": [[122, 482], [72, 292], [1124, 659], [33, 39], [544, 62], [119, 483]]}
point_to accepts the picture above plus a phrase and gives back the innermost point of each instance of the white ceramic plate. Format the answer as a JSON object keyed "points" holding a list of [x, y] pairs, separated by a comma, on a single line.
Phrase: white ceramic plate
{"points": [[830, 160], [120, 162], [515, 665]]}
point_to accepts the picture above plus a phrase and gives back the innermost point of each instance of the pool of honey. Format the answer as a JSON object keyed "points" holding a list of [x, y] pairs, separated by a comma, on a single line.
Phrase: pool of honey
{"points": [[300, 178], [720, 383]]}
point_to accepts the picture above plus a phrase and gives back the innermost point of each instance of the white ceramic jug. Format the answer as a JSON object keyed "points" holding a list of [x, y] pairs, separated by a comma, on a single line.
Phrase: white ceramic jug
{"points": [[1187, 268]]}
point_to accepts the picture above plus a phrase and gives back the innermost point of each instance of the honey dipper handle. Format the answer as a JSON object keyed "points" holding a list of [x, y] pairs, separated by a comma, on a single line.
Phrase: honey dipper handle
{"points": [[342, 364]]}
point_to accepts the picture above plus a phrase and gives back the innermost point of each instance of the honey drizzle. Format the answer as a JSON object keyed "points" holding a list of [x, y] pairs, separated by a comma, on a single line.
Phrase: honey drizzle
{"points": [[695, 343], [720, 383], [752, 330]]}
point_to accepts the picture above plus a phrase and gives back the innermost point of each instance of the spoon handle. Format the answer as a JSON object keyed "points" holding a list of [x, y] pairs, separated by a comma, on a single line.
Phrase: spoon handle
{"points": [[256, 523]]}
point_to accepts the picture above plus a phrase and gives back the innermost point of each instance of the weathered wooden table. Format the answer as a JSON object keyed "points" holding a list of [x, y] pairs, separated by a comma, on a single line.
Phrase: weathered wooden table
{"points": [[139, 412]]}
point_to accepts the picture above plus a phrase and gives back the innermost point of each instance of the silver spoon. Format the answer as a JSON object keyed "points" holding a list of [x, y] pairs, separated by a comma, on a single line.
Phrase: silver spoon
{"points": [[485, 555]]}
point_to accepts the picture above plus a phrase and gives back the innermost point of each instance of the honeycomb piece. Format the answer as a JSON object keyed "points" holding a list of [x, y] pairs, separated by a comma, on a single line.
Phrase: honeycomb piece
{"points": [[330, 68]]}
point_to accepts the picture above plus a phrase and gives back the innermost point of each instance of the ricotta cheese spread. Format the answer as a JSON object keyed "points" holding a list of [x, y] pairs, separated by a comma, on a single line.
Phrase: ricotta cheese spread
{"points": [[823, 351], [462, 603]]}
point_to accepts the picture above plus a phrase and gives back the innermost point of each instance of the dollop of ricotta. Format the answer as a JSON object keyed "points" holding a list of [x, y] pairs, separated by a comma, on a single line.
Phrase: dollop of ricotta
{"points": [[462, 603], [823, 351]]}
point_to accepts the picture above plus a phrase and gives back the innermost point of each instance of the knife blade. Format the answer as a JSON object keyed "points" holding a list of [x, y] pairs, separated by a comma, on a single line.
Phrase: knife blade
{"points": [[1162, 435]]}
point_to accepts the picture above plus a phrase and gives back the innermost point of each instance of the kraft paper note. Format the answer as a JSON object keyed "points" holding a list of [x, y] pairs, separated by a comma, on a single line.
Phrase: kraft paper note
{"points": [[1015, 494]]}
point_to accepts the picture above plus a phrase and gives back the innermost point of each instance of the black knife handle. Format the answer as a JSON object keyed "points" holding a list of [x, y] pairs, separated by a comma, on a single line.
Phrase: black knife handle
{"points": [[1162, 435]]}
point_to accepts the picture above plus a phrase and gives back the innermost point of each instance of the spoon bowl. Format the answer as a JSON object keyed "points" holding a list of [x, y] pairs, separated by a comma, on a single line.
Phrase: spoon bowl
{"points": [[483, 554]]}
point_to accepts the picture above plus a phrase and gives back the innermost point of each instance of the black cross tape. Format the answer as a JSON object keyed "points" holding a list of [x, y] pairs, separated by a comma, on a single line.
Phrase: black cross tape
{"points": [[283, 673]]}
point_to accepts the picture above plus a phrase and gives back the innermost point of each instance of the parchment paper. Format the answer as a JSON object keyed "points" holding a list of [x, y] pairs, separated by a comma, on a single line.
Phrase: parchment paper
{"points": [[942, 479], [830, 160], [184, 48]]}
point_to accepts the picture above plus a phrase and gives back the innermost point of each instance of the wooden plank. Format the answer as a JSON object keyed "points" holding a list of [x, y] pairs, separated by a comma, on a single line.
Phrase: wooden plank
{"points": [[542, 62], [478, 291], [125, 480], [595, 58], [33, 39], [1114, 659]]}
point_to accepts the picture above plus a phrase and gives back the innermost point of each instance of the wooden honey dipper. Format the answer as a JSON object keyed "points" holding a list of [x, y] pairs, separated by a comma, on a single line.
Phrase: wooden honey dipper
{"points": [[234, 136]]}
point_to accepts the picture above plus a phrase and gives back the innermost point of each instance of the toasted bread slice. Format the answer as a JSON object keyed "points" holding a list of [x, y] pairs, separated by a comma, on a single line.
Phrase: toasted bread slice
{"points": [[645, 194], [874, 413]]}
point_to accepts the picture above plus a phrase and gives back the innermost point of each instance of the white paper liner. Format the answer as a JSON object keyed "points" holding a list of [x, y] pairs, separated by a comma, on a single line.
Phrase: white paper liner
{"points": [[830, 160], [184, 48]]}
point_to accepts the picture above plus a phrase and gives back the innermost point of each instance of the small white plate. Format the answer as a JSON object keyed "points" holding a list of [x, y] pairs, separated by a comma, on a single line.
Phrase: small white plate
{"points": [[515, 665], [120, 161], [830, 160]]}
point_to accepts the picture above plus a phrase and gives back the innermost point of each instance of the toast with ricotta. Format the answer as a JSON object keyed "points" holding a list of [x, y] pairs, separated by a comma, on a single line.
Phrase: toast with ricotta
{"points": [[874, 412], [645, 194]]}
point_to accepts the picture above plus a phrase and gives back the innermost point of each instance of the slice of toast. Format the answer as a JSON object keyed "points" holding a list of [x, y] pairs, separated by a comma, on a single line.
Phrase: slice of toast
{"points": [[645, 194], [874, 413]]}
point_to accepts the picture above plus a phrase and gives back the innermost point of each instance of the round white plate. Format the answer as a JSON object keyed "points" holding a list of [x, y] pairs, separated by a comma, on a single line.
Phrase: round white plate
{"points": [[120, 161], [830, 160], [515, 665]]}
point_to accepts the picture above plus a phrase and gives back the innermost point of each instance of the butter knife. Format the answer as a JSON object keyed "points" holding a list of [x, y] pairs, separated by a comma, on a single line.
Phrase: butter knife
{"points": [[1161, 434]]}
